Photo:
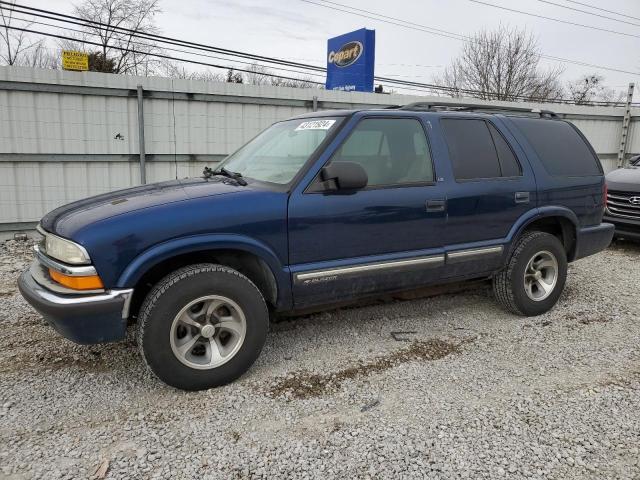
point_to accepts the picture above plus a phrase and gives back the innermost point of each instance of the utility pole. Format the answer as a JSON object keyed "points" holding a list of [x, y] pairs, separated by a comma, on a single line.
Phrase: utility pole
{"points": [[626, 120], [143, 170]]}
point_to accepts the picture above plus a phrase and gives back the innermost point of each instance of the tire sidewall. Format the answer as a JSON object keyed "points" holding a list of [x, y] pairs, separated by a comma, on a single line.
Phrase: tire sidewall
{"points": [[174, 295], [538, 244]]}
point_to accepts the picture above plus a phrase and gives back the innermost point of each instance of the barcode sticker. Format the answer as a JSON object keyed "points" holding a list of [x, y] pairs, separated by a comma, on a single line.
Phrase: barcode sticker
{"points": [[316, 125]]}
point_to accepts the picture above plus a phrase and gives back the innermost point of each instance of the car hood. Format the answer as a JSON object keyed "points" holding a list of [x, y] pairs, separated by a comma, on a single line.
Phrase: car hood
{"points": [[68, 218], [625, 179]]}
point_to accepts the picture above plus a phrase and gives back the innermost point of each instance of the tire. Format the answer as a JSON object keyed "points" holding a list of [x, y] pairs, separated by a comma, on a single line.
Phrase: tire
{"points": [[532, 295], [176, 334]]}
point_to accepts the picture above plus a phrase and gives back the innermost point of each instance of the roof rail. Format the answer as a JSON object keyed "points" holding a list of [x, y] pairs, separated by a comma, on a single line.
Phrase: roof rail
{"points": [[473, 107]]}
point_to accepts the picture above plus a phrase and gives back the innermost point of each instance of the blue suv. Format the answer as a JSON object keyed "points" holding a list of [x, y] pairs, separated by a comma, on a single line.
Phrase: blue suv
{"points": [[316, 210]]}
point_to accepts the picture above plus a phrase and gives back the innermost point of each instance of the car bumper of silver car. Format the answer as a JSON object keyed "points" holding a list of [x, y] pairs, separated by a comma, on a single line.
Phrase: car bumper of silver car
{"points": [[82, 318], [626, 227]]}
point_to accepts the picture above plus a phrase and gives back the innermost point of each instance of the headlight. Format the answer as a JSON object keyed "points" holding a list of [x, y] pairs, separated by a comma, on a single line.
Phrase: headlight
{"points": [[64, 250]]}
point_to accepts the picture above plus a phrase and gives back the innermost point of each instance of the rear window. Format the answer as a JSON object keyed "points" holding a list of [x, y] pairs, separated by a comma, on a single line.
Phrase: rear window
{"points": [[561, 149]]}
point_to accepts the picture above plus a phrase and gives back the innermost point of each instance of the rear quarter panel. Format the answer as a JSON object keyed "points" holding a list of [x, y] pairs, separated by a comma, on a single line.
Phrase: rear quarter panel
{"points": [[583, 195]]}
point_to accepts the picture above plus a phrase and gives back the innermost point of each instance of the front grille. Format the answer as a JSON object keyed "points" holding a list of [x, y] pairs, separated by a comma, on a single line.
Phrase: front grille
{"points": [[624, 204]]}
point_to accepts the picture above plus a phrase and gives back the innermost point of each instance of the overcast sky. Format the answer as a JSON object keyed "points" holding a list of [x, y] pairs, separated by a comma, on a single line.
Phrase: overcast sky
{"points": [[297, 30]]}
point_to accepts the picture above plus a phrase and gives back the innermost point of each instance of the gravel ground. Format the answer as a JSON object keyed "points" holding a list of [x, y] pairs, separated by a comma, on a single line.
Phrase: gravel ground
{"points": [[473, 392]]}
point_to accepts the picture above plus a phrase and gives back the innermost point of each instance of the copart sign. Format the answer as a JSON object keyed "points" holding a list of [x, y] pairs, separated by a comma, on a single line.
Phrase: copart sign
{"points": [[350, 61]]}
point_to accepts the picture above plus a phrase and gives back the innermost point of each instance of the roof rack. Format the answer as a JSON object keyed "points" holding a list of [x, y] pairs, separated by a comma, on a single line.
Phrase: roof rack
{"points": [[472, 107]]}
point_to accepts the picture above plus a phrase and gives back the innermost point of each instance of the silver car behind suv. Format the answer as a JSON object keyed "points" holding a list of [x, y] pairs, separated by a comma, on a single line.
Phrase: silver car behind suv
{"points": [[623, 200]]}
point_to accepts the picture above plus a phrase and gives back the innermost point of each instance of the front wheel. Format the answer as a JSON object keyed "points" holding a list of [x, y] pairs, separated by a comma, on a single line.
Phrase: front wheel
{"points": [[202, 326], [534, 278]]}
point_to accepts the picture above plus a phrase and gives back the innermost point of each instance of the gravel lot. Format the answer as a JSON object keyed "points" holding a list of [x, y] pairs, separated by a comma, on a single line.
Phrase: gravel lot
{"points": [[473, 393]]}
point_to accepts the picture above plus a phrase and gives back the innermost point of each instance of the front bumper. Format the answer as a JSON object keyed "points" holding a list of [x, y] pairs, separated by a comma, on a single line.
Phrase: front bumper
{"points": [[590, 240], [625, 227], [85, 318]]}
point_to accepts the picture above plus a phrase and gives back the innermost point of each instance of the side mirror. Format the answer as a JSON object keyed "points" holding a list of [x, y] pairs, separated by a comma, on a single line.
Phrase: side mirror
{"points": [[344, 176]]}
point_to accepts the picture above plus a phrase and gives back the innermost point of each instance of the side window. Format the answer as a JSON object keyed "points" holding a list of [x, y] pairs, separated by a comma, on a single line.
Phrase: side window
{"points": [[508, 162], [391, 150], [559, 146], [477, 150], [366, 142]]}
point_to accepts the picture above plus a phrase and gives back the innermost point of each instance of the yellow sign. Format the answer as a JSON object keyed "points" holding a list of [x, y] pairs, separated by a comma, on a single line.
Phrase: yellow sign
{"points": [[75, 60]]}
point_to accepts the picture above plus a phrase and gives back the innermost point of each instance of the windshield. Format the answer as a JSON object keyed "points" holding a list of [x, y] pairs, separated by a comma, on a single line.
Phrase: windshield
{"points": [[278, 153]]}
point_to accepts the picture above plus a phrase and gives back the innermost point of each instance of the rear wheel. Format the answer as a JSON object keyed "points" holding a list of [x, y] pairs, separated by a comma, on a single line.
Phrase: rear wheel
{"points": [[202, 326], [535, 275]]}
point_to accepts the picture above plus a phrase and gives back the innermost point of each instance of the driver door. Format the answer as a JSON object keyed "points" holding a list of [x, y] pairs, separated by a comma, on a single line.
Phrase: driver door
{"points": [[386, 236]]}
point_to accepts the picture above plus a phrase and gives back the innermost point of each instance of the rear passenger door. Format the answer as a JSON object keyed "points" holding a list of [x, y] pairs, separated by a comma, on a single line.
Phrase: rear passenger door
{"points": [[491, 187]]}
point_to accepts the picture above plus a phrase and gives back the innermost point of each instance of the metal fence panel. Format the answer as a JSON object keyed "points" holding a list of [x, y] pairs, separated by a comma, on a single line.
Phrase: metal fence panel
{"points": [[68, 135]]}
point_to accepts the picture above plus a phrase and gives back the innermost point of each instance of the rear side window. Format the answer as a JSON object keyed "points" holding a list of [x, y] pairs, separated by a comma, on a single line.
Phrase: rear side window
{"points": [[561, 149], [477, 150], [509, 166]]}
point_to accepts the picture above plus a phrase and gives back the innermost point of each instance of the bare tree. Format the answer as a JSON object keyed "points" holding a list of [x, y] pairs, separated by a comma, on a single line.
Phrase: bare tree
{"points": [[208, 76], [14, 44], [257, 75], [42, 56], [130, 55], [590, 88], [260, 75], [502, 65], [175, 70]]}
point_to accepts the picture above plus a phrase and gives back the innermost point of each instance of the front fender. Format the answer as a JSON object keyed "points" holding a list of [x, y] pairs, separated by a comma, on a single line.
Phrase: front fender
{"points": [[195, 243]]}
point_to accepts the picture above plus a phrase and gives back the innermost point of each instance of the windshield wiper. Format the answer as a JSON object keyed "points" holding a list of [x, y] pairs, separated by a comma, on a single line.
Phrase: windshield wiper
{"points": [[208, 172]]}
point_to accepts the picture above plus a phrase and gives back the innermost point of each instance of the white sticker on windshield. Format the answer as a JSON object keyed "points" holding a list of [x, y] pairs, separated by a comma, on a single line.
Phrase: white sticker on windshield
{"points": [[316, 125]]}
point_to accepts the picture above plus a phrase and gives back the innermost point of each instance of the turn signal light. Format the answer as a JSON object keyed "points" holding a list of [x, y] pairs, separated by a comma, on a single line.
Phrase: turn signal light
{"points": [[91, 282]]}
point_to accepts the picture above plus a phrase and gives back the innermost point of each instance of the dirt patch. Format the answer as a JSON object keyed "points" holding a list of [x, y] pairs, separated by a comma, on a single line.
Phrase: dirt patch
{"points": [[39, 362], [622, 379], [586, 318], [305, 384], [40, 354]]}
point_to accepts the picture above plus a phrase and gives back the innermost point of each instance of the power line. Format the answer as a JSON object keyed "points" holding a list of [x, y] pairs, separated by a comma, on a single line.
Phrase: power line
{"points": [[401, 84], [433, 30], [151, 36], [26, 20], [225, 67], [405, 24], [553, 19], [173, 41], [280, 69], [589, 13], [464, 38], [157, 55], [602, 9], [284, 62]]}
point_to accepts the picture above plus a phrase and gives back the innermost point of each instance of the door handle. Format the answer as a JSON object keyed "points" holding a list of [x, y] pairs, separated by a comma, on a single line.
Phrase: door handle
{"points": [[436, 205], [522, 197]]}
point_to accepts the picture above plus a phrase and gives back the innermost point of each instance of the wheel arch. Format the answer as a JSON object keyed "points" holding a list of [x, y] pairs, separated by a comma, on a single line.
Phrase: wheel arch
{"points": [[251, 258], [558, 221]]}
